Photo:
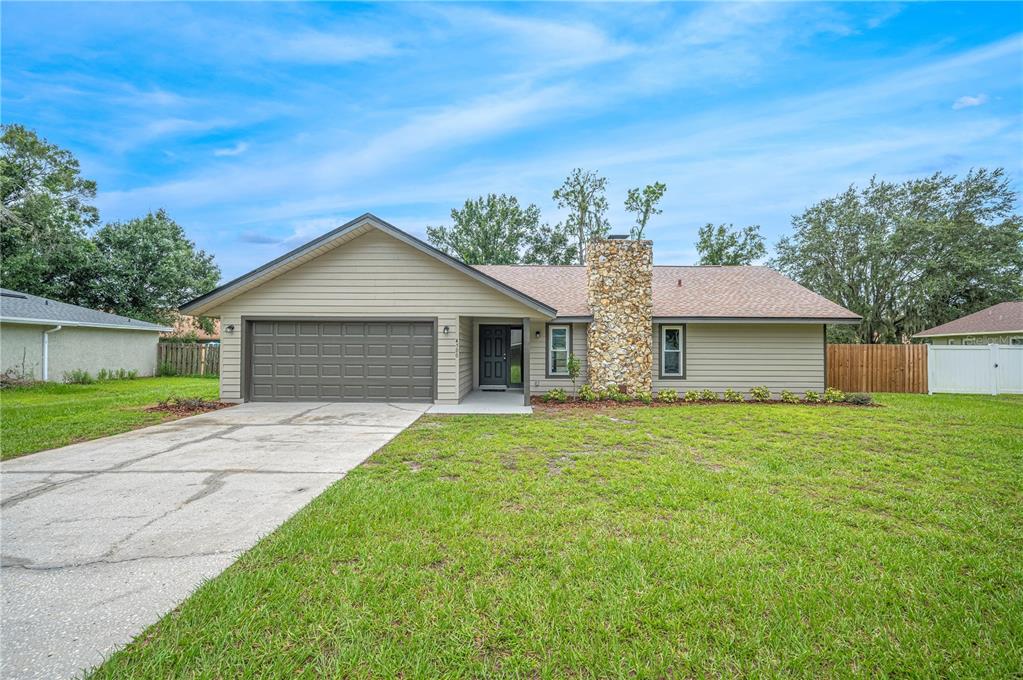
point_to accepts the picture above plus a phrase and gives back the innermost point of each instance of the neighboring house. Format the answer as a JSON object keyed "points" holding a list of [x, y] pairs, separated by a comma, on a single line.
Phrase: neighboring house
{"points": [[44, 339], [369, 312], [1000, 324], [184, 327]]}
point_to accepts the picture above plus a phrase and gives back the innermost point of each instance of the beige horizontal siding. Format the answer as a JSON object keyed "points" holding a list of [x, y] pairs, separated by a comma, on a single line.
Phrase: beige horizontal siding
{"points": [[465, 355], [373, 275], [741, 356], [539, 382]]}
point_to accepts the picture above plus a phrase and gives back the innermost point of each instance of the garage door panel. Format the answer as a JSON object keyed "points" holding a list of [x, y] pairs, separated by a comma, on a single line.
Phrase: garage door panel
{"points": [[343, 361]]}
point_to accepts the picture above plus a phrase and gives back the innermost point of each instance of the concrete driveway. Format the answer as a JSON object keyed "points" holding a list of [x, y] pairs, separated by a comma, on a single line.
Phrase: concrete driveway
{"points": [[100, 539]]}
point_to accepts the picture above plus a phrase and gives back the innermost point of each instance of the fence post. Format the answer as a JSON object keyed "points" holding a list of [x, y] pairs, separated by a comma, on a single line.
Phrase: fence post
{"points": [[930, 370], [993, 350]]}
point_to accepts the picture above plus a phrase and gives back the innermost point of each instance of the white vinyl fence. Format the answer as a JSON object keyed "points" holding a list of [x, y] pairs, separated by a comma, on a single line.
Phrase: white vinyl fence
{"points": [[975, 369]]}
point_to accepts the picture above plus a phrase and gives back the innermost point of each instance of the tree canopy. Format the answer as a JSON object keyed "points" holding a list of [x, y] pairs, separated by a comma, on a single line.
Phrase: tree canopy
{"points": [[911, 255], [583, 194], [496, 229], [52, 246], [643, 202], [727, 245]]}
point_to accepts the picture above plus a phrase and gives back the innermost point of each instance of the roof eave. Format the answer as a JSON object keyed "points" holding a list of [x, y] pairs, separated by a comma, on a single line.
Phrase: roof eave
{"points": [[203, 302], [926, 334]]}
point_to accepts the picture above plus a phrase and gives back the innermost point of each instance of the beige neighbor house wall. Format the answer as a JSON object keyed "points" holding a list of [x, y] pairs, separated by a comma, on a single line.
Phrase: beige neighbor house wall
{"points": [[78, 348], [539, 382], [743, 355], [371, 276]]}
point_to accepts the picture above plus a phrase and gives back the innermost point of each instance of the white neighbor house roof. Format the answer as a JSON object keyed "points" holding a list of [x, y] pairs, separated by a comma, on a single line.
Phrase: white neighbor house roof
{"points": [[33, 310]]}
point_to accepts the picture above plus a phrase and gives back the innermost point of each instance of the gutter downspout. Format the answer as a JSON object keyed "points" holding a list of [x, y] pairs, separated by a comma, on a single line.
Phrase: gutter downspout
{"points": [[46, 352]]}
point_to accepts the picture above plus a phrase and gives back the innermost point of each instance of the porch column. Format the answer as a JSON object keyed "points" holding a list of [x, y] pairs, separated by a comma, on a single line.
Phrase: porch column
{"points": [[527, 335]]}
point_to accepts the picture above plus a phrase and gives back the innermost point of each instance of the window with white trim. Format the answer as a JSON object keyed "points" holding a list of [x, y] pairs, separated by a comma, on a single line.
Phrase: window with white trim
{"points": [[557, 350], [1016, 341], [672, 339]]}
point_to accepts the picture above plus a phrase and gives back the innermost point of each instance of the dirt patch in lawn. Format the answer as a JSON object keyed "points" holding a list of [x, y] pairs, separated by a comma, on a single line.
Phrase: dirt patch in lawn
{"points": [[187, 406]]}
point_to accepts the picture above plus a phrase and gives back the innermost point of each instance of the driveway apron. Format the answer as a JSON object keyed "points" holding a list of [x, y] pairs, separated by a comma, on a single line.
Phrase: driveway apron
{"points": [[100, 539]]}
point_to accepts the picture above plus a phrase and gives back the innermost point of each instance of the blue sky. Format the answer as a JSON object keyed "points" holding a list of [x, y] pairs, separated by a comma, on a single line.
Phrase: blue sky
{"points": [[260, 126]]}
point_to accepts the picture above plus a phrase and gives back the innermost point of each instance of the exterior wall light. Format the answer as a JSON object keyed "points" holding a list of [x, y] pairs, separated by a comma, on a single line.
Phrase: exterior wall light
{"points": [[446, 330], [230, 328]]}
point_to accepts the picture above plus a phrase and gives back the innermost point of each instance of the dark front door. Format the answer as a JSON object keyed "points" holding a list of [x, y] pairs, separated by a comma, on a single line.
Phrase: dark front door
{"points": [[494, 355]]}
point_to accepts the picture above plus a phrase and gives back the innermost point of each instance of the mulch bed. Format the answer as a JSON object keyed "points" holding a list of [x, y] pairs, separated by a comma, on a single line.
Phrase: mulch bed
{"points": [[188, 406], [538, 403]]}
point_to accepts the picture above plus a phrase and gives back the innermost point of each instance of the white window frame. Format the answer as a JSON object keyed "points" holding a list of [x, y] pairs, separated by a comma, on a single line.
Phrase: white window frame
{"points": [[550, 349], [681, 351]]}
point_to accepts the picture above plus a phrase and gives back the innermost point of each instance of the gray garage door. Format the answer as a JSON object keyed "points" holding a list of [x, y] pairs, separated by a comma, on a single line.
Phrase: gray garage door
{"points": [[342, 361]]}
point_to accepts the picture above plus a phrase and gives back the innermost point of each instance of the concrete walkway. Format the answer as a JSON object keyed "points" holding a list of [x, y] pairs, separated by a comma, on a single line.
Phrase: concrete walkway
{"points": [[102, 538], [485, 402]]}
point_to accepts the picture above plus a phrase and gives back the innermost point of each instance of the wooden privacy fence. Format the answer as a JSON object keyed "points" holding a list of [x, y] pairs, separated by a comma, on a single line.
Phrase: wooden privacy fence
{"points": [[189, 358], [878, 368]]}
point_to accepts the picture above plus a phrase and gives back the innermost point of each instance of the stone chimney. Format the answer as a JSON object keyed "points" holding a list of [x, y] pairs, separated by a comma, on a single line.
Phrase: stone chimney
{"points": [[619, 288]]}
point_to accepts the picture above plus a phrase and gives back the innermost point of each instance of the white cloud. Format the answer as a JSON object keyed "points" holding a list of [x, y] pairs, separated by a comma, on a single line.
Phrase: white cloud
{"points": [[967, 101], [316, 47], [236, 150]]}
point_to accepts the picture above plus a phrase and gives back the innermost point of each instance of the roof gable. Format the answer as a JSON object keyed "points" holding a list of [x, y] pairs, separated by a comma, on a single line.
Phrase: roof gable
{"points": [[335, 239]]}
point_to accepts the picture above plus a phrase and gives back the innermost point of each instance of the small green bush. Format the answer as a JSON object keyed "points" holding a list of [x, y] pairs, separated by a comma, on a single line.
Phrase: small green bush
{"points": [[587, 393], [859, 398], [78, 377], [759, 393], [833, 395], [614, 393], [691, 396], [668, 396], [557, 396], [812, 397], [731, 395], [166, 368], [115, 374], [708, 395], [644, 397], [789, 397]]}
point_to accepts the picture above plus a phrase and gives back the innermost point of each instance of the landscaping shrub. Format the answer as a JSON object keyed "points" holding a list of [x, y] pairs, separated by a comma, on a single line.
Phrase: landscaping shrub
{"points": [[731, 395], [166, 368], [587, 393], [859, 398], [116, 374], [557, 396], [811, 397], [789, 397], [708, 395], [691, 396], [16, 377], [644, 397], [615, 393], [833, 395], [759, 393], [668, 396], [78, 377]]}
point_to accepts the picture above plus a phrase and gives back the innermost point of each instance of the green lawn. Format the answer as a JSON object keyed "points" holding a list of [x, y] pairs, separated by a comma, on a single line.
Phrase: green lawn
{"points": [[50, 415], [699, 541]]}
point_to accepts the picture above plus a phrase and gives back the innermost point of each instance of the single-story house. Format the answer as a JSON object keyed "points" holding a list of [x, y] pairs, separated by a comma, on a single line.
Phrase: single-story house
{"points": [[369, 312], [1000, 324], [184, 327], [44, 339]]}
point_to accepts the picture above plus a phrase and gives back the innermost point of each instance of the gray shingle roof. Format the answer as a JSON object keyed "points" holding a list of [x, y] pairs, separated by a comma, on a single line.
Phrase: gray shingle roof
{"points": [[25, 308], [1005, 317], [710, 292]]}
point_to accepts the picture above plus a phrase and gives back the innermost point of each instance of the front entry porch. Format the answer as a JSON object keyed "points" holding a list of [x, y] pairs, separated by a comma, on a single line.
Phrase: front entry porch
{"points": [[487, 402]]}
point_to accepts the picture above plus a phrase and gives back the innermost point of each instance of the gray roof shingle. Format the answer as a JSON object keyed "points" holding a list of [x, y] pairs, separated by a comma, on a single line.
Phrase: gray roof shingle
{"points": [[1005, 317], [683, 291], [22, 307]]}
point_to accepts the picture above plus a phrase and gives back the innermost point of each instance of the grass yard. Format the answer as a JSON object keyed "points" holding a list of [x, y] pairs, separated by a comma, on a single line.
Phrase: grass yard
{"points": [[50, 415], [700, 541]]}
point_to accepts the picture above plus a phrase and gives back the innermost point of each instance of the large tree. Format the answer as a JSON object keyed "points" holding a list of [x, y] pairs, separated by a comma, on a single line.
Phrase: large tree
{"points": [[726, 245], [149, 267], [496, 229], [583, 194], [643, 202], [912, 255], [46, 217]]}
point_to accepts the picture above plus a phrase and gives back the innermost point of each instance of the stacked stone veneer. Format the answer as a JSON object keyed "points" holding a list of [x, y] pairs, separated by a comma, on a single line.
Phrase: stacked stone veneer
{"points": [[619, 280]]}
